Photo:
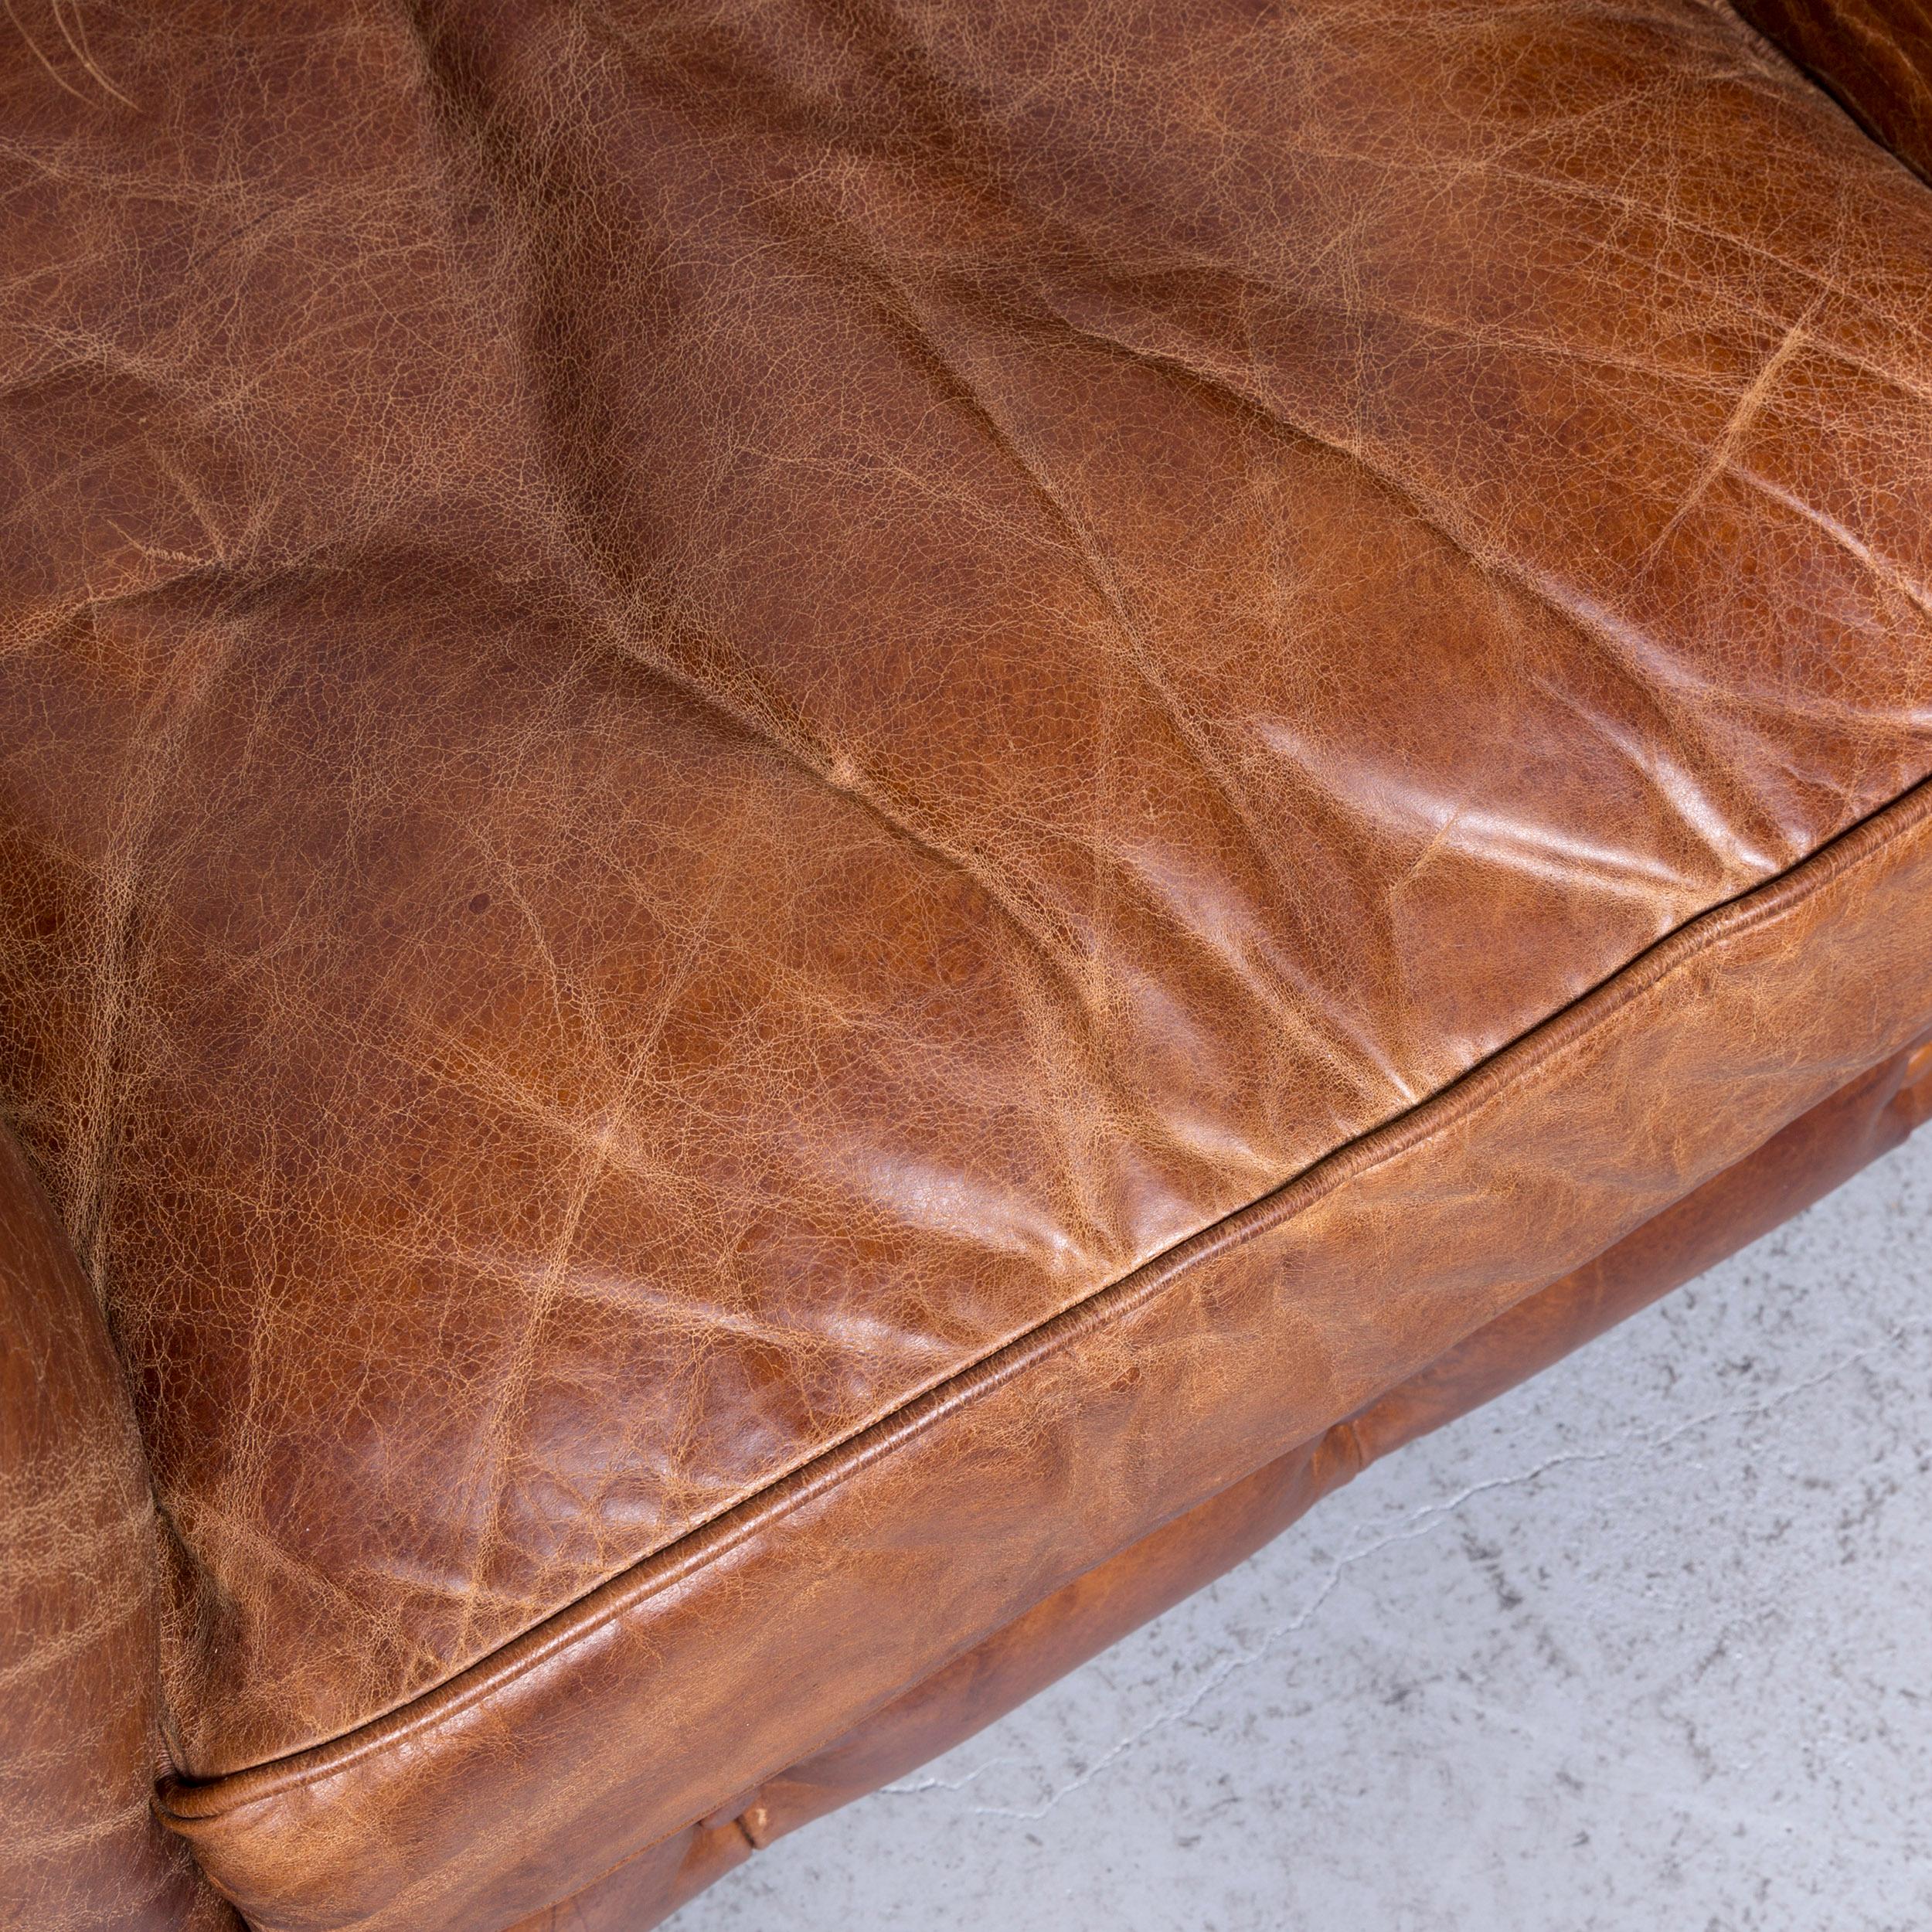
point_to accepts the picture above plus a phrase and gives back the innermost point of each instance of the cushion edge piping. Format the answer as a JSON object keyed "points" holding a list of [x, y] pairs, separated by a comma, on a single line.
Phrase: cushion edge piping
{"points": [[189, 1801]]}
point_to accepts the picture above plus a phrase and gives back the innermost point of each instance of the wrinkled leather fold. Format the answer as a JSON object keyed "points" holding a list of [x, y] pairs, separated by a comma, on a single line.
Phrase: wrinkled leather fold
{"points": [[79, 1664], [734, 700], [802, 804], [1875, 55], [715, 1663]]}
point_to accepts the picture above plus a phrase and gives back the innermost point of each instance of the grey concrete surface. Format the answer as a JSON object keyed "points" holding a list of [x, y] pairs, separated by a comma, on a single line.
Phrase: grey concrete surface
{"points": [[1648, 1644]]}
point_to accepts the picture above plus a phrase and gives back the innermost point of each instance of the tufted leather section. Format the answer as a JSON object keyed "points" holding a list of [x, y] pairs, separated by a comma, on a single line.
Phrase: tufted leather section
{"points": [[79, 1729], [1875, 55]]}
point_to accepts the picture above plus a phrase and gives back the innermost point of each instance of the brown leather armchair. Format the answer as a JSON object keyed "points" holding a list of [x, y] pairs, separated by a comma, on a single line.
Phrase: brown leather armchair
{"points": [[831, 828]]}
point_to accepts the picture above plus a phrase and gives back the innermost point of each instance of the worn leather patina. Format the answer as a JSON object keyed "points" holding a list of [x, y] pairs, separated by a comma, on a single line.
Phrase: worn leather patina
{"points": [[805, 807], [1875, 55], [79, 1609], [1813, 1153]]}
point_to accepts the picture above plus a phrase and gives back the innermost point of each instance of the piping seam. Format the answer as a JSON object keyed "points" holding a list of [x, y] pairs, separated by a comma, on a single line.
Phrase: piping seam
{"points": [[1544, 1047]]}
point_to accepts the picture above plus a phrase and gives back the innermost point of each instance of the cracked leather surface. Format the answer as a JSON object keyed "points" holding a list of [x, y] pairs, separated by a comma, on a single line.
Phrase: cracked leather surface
{"points": [[1818, 1151], [703, 708], [699, 1675], [79, 1611], [1875, 55]]}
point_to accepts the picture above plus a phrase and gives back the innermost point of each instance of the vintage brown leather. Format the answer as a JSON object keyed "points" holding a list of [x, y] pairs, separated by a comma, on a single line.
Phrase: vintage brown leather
{"points": [[1813, 1154], [1875, 55], [806, 806], [80, 1736]]}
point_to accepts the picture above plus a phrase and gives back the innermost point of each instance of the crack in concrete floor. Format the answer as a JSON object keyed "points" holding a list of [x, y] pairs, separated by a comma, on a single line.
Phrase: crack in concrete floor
{"points": [[1421, 1523]]}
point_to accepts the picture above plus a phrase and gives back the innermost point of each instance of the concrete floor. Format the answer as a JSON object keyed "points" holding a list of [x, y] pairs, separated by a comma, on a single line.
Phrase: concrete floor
{"points": [[1646, 1645]]}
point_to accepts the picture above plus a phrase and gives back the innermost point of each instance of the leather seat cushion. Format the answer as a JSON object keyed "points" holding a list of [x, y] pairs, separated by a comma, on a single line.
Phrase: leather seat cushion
{"points": [[737, 705]]}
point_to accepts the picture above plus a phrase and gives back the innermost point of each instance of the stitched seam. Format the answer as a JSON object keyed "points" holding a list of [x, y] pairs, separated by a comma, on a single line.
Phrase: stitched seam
{"points": [[1546, 1047]]}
